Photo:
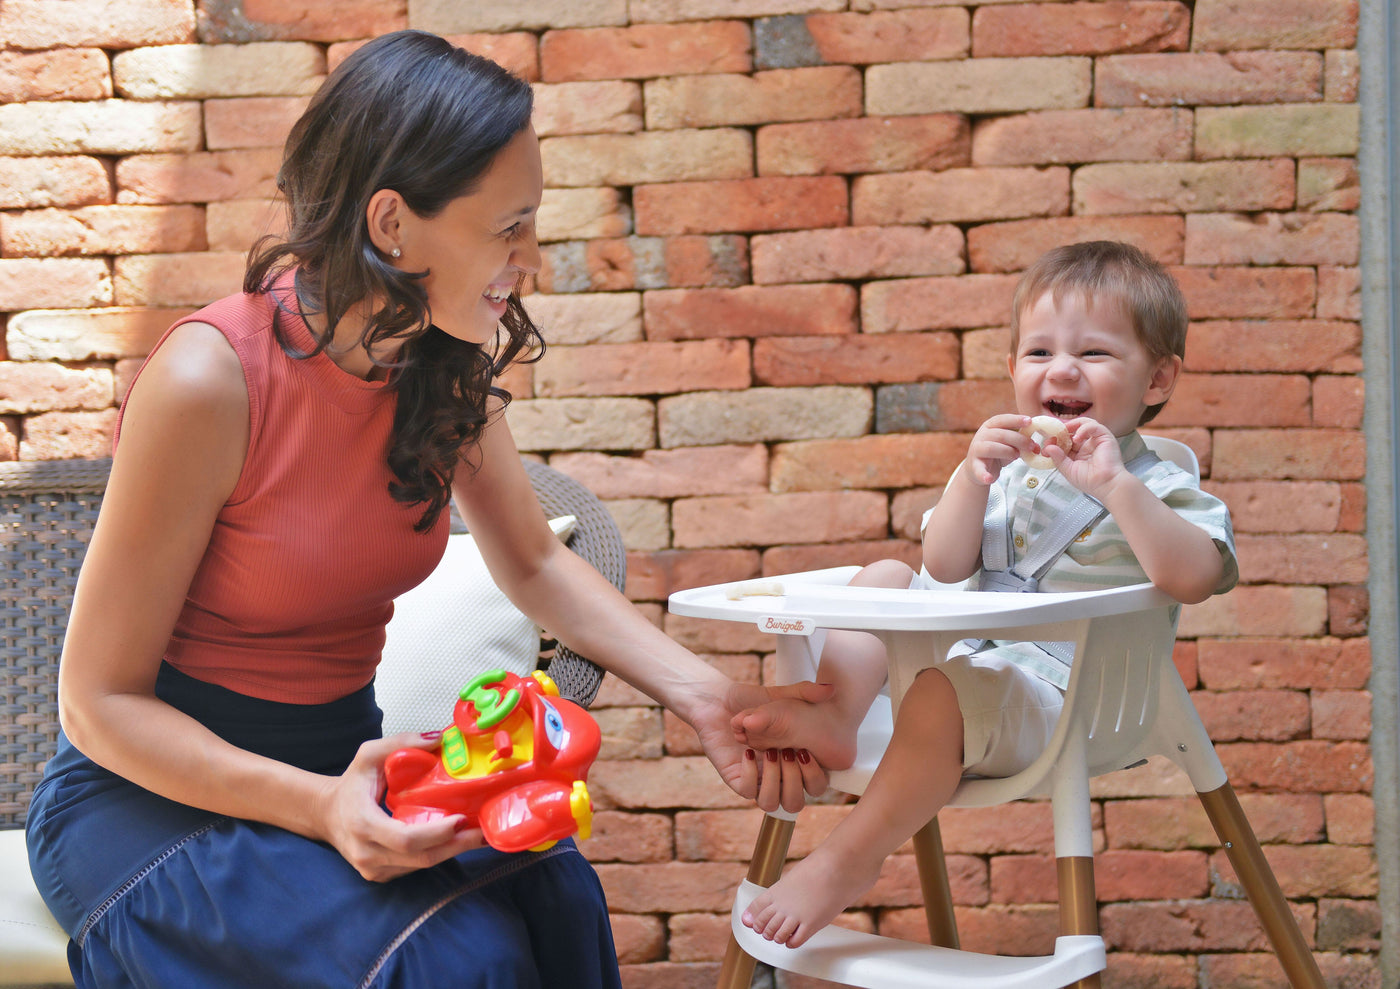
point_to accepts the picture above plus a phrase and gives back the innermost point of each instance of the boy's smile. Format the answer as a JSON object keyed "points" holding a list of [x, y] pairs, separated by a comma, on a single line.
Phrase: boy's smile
{"points": [[1076, 359]]}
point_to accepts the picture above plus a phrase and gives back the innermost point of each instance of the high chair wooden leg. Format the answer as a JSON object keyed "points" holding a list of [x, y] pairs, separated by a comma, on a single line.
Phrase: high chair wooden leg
{"points": [[769, 853], [1079, 905], [933, 882], [1242, 848]]}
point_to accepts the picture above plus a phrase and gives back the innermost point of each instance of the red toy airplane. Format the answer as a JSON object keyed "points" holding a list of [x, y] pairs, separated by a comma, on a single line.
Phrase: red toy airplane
{"points": [[514, 762]]}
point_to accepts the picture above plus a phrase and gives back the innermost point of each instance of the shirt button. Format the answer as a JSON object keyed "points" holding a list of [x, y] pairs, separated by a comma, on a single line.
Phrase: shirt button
{"points": [[1032, 482], [1020, 542]]}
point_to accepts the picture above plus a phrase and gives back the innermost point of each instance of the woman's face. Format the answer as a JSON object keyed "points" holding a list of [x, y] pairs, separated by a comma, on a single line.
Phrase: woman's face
{"points": [[476, 250]]}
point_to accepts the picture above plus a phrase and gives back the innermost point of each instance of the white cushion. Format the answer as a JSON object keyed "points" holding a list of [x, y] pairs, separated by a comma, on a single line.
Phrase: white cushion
{"points": [[446, 630], [33, 948]]}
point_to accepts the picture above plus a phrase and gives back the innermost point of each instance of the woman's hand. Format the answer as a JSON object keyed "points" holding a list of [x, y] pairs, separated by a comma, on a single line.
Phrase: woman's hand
{"points": [[773, 778], [376, 845]]}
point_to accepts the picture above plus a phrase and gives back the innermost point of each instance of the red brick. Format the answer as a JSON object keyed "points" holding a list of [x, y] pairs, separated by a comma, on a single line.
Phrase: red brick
{"points": [[960, 195], [729, 835], [28, 386], [670, 473], [515, 51], [1349, 925], [1308, 454], [763, 414], [1054, 137], [1189, 926], [1298, 130], [198, 177], [67, 435], [1348, 610], [85, 334], [1247, 610], [237, 224], [698, 936], [889, 36], [1026, 826], [655, 576], [1118, 875], [1134, 971], [643, 368], [102, 127], [1181, 822], [96, 23], [1303, 766], [672, 887], [741, 205], [669, 975], [1328, 184], [1273, 239], [1285, 663], [251, 122], [893, 461], [870, 144], [966, 302], [749, 311], [637, 938], [28, 183], [1275, 345], [659, 783], [1184, 187], [795, 559], [1208, 79], [1223, 25], [1014, 245], [9, 440], [1341, 76], [60, 74], [53, 283], [1353, 516], [770, 520], [857, 253], [1338, 401], [1280, 506], [300, 20], [1306, 871], [708, 636], [629, 837], [1341, 714], [1262, 969], [1351, 818], [192, 279], [616, 264], [587, 108], [102, 230], [1338, 293], [643, 51], [853, 360], [995, 929], [817, 93], [1253, 715], [1080, 28], [1247, 293], [1219, 400]]}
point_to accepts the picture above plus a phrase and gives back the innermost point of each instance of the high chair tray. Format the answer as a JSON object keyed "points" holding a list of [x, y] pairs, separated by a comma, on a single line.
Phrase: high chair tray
{"points": [[875, 962]]}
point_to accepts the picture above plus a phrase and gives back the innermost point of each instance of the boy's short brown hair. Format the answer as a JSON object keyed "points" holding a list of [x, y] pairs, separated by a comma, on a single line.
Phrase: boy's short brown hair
{"points": [[1109, 272]]}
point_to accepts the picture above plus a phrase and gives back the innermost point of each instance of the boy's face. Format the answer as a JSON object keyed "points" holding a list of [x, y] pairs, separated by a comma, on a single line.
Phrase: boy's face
{"points": [[1072, 360]]}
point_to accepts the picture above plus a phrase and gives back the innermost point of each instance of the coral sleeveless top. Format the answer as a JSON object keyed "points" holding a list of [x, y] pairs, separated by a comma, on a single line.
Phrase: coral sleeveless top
{"points": [[291, 599]]}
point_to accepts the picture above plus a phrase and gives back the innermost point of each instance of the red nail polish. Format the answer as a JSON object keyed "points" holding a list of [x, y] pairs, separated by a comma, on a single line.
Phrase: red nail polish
{"points": [[772, 755], [431, 736], [789, 755], [748, 754], [803, 756]]}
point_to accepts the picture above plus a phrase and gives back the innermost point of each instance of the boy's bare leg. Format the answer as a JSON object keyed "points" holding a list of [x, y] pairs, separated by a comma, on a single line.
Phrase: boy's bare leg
{"points": [[855, 664], [919, 773]]}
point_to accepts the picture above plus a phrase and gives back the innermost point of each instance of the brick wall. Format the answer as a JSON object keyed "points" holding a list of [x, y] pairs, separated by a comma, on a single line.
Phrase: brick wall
{"points": [[780, 242]]}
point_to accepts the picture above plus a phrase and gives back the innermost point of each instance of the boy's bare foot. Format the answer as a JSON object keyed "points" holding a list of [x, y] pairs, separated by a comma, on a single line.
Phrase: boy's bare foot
{"points": [[809, 896], [795, 724]]}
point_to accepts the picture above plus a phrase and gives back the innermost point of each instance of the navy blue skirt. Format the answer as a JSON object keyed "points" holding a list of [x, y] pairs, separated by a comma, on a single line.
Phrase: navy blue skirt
{"points": [[157, 894]]}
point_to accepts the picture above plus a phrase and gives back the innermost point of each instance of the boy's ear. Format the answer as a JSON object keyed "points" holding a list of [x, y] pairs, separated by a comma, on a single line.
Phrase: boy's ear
{"points": [[1163, 382]]}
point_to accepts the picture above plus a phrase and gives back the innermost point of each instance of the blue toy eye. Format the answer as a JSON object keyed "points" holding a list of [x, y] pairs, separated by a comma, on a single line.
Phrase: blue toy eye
{"points": [[553, 725]]}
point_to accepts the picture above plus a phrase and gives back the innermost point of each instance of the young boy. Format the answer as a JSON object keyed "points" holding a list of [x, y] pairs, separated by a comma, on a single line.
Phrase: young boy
{"points": [[1097, 336]]}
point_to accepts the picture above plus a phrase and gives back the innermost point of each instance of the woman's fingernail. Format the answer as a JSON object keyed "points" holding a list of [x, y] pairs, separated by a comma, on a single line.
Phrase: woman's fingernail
{"points": [[748, 754], [431, 736], [772, 755], [803, 756], [789, 755]]}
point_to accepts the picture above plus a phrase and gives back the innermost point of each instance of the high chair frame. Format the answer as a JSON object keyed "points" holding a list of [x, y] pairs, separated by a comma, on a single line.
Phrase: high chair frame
{"points": [[1125, 703]]}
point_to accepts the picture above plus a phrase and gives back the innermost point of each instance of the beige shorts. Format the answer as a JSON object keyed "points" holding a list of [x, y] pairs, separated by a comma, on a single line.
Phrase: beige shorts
{"points": [[1008, 712]]}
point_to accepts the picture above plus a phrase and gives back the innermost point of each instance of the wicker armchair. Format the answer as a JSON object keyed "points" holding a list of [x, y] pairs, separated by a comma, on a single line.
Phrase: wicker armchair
{"points": [[47, 511]]}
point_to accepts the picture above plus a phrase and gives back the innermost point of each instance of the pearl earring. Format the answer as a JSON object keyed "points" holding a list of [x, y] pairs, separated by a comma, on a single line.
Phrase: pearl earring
{"points": [[395, 252]]}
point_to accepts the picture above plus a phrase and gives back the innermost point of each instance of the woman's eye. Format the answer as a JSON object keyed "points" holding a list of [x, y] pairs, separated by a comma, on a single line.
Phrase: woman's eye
{"points": [[511, 230]]}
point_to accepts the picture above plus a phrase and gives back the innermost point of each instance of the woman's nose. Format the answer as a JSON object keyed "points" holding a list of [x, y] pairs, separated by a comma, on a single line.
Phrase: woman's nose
{"points": [[526, 255]]}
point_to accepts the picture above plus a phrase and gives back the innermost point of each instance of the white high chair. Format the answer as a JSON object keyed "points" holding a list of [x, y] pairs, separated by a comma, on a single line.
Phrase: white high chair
{"points": [[1125, 702]]}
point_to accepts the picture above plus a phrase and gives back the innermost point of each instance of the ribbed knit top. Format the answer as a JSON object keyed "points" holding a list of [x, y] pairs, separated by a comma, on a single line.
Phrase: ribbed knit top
{"points": [[291, 599]]}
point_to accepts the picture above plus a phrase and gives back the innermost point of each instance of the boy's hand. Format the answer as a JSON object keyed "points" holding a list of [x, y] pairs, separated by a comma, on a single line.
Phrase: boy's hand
{"points": [[997, 442], [1094, 462]]}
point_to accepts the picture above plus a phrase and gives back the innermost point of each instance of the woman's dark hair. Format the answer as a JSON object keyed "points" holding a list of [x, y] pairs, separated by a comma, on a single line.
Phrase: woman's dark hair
{"points": [[412, 113]]}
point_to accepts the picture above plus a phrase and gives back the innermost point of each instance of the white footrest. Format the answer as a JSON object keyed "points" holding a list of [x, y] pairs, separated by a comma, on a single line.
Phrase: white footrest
{"points": [[876, 962]]}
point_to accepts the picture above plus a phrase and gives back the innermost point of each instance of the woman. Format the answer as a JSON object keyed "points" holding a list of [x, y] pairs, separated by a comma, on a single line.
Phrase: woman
{"points": [[282, 471]]}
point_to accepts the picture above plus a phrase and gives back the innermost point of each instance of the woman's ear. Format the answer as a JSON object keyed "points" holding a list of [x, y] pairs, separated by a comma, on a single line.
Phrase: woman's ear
{"points": [[382, 218], [1163, 382]]}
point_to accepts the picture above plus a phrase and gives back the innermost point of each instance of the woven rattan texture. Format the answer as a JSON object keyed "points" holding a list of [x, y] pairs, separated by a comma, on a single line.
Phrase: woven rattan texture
{"points": [[47, 510]]}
